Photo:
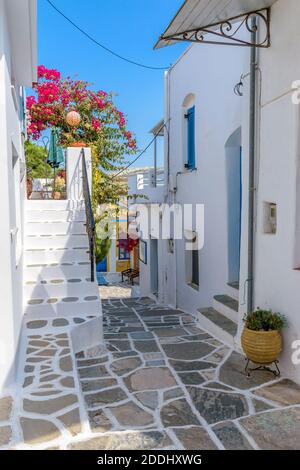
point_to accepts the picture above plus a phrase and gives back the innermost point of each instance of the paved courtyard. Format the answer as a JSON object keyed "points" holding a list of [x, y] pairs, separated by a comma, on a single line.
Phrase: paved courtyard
{"points": [[160, 382]]}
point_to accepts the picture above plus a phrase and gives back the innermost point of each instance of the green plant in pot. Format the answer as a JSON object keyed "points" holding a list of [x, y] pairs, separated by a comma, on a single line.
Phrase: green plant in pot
{"points": [[59, 185], [261, 337]]}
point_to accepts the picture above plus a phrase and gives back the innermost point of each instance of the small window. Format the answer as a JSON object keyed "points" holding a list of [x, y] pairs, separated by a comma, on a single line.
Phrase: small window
{"points": [[123, 254], [191, 151], [195, 267], [192, 268]]}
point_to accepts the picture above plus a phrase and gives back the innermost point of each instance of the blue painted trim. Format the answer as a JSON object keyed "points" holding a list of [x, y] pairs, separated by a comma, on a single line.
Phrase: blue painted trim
{"points": [[191, 145]]}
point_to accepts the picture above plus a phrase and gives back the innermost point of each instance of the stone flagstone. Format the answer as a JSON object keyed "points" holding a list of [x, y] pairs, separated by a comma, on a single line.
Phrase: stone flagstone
{"points": [[217, 406], [195, 438], [130, 414], [152, 378], [231, 437], [275, 430], [5, 435], [138, 440], [5, 408], [187, 351], [284, 392], [36, 431], [50, 405], [178, 413]]}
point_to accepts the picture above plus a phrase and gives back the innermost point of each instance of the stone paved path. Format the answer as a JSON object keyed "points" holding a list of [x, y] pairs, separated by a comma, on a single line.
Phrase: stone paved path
{"points": [[166, 383], [162, 382]]}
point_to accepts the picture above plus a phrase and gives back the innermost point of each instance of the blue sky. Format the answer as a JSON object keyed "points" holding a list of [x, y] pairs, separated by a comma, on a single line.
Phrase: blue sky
{"points": [[131, 28]]}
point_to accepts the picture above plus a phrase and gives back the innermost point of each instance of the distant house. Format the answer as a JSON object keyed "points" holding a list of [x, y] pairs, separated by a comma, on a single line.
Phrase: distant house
{"points": [[18, 61], [136, 180]]}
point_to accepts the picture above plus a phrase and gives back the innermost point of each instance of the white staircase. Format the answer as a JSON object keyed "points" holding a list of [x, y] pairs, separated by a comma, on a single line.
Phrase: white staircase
{"points": [[57, 267], [222, 318]]}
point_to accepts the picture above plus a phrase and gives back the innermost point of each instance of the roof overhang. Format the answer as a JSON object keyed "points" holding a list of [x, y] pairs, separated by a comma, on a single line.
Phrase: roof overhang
{"points": [[219, 22], [22, 23]]}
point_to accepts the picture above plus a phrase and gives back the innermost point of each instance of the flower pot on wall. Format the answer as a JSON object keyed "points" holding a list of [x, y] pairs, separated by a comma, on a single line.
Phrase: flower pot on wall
{"points": [[261, 347], [77, 145], [56, 195]]}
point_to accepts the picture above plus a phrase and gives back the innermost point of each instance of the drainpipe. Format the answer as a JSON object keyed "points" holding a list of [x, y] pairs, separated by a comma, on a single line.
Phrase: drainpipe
{"points": [[251, 188]]}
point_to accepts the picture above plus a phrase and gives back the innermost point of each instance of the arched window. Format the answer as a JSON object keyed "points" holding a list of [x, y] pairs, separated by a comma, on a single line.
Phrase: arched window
{"points": [[189, 128]]}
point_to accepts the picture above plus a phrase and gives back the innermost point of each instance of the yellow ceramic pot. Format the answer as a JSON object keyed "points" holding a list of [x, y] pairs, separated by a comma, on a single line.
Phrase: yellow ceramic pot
{"points": [[261, 347]]}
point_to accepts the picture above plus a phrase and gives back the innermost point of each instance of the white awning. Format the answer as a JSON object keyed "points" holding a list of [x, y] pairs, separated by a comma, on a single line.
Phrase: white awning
{"points": [[202, 14]]}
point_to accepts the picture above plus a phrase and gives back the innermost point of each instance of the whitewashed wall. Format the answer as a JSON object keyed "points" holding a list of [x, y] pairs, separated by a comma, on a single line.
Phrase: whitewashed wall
{"points": [[210, 74], [277, 283], [11, 266]]}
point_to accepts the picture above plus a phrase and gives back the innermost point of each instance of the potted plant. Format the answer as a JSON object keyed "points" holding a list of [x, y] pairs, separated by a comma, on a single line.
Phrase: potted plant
{"points": [[58, 187], [261, 338]]}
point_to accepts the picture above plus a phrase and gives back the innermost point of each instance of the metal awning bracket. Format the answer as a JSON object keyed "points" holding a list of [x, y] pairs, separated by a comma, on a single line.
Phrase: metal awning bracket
{"points": [[228, 31]]}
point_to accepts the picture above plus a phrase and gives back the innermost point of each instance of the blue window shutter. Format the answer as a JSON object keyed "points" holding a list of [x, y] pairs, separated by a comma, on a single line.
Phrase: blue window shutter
{"points": [[191, 137]]}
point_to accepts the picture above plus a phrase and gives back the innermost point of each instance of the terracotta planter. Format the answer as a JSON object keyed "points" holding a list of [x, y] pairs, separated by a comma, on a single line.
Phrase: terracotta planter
{"points": [[77, 145], [56, 195], [261, 347]]}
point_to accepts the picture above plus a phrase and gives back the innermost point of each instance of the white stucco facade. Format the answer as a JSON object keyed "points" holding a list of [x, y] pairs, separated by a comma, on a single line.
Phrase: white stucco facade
{"points": [[276, 275], [205, 76], [17, 69]]}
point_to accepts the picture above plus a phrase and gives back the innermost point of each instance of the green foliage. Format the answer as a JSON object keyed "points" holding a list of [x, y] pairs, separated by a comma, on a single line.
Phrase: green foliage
{"points": [[36, 164], [264, 320], [102, 242]]}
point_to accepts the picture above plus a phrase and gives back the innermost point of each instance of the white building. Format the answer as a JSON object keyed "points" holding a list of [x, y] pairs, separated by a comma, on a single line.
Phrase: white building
{"points": [[18, 61], [208, 160]]}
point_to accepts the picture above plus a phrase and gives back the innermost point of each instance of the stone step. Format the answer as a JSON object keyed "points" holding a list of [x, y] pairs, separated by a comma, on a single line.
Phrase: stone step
{"points": [[56, 241], [59, 288], [55, 215], [66, 307], [227, 306], [60, 271], [233, 290], [55, 228], [39, 257], [217, 324], [54, 205]]}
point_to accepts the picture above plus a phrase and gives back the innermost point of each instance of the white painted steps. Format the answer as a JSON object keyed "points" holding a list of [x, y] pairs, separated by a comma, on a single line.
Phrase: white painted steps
{"points": [[55, 215], [55, 228], [233, 290], [221, 319], [56, 241], [63, 204], [59, 271], [59, 289], [62, 309], [227, 306], [57, 267], [46, 257]]}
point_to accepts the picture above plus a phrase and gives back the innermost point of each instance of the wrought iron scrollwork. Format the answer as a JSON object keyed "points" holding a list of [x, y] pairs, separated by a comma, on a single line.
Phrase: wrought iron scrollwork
{"points": [[90, 222], [227, 31]]}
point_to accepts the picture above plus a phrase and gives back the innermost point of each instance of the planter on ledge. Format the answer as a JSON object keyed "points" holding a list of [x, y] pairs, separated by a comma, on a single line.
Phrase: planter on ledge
{"points": [[77, 145]]}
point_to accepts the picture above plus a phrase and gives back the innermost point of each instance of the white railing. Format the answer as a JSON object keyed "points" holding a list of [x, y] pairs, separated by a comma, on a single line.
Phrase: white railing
{"points": [[150, 179]]}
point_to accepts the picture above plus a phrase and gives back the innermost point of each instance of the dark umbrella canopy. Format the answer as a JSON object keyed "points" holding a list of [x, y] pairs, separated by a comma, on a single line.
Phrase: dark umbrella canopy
{"points": [[55, 153]]}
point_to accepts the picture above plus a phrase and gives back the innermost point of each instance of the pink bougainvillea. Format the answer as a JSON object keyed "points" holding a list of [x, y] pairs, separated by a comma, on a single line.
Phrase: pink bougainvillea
{"points": [[55, 96]]}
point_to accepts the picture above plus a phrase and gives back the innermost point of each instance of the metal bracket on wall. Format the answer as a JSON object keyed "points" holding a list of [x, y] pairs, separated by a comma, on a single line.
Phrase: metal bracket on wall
{"points": [[230, 32]]}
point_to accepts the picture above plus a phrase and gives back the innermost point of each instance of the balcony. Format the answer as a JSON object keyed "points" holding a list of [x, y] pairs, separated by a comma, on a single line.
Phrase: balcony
{"points": [[147, 186]]}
